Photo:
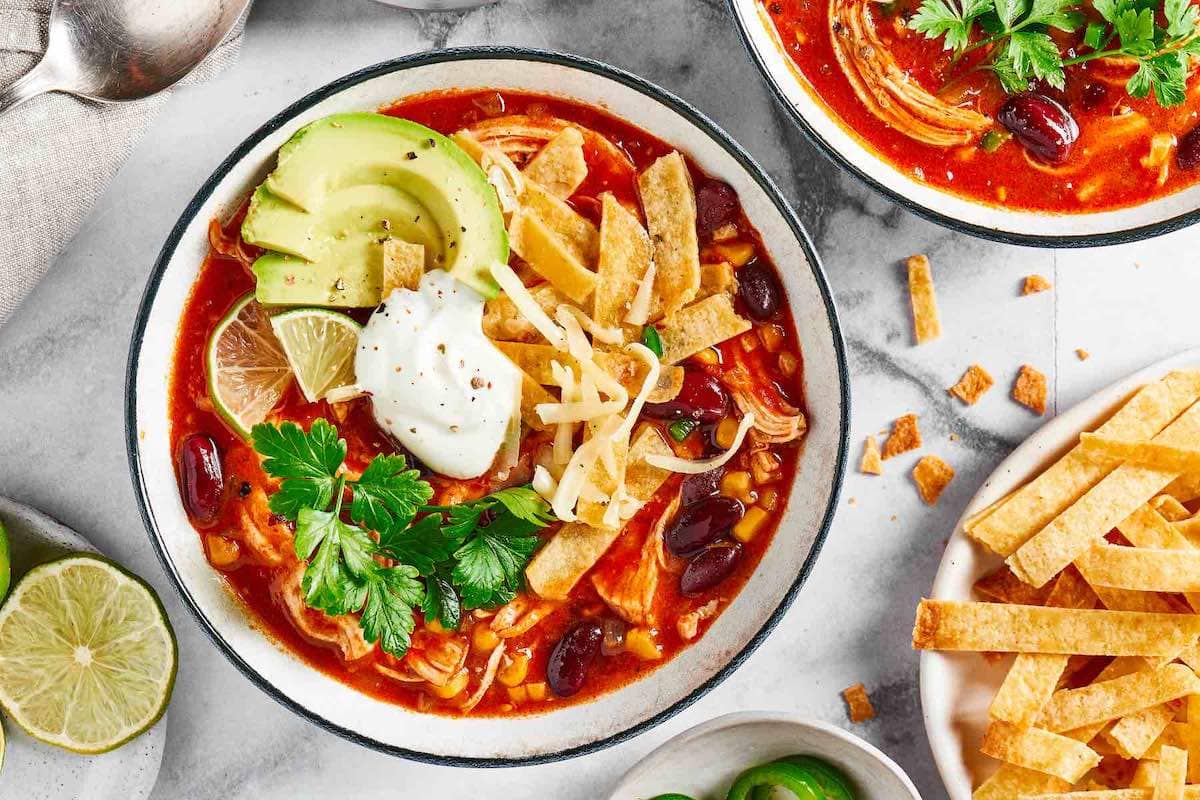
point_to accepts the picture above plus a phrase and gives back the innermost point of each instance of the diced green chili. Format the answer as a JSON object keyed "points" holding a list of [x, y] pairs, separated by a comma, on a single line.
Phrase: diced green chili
{"points": [[651, 339], [992, 140], [680, 429]]}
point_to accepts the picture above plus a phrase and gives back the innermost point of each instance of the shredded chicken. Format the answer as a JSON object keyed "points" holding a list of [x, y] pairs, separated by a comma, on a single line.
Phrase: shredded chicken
{"points": [[631, 594], [435, 657], [776, 422], [688, 625], [485, 683], [342, 632], [521, 137], [267, 540], [520, 616], [887, 90]]}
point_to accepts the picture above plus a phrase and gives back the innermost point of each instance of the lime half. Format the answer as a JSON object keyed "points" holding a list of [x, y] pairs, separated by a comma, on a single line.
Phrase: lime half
{"points": [[87, 655], [247, 369], [5, 566], [320, 348]]}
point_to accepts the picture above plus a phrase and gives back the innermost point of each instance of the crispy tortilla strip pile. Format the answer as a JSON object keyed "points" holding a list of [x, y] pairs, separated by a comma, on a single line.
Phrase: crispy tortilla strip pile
{"points": [[1100, 600]]}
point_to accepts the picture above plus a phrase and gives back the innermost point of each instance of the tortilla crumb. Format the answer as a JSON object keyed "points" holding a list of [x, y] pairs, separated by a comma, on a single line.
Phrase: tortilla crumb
{"points": [[1029, 390], [871, 463], [926, 325], [905, 436], [853, 501], [1035, 284], [932, 476], [1081, 354], [972, 385], [859, 703]]}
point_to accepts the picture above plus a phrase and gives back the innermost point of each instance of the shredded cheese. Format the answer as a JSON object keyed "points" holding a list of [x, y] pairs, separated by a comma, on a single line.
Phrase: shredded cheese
{"points": [[575, 476], [529, 308], [653, 367], [504, 177], [564, 434], [688, 467], [600, 333], [639, 309], [544, 483]]}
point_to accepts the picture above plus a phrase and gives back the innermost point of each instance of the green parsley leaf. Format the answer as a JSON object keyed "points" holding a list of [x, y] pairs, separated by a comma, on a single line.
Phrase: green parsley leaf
{"points": [[308, 463], [947, 18], [1007, 74], [1054, 14], [424, 545], [387, 494], [1135, 29], [490, 562], [1109, 9], [1166, 74], [441, 602], [1181, 17], [1036, 54], [387, 616], [334, 580], [1093, 37], [524, 503]]}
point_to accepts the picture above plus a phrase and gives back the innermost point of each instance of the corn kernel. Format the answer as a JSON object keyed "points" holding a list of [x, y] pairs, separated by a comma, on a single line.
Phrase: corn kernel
{"points": [[772, 337], [536, 691], [748, 526], [788, 364], [518, 694], [514, 671], [735, 484], [764, 464], [708, 356], [640, 642], [433, 626], [484, 638], [453, 687], [748, 341], [736, 253], [769, 500], [726, 432], [222, 552]]}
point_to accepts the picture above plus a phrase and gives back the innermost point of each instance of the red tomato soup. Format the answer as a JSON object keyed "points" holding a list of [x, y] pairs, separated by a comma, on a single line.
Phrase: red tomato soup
{"points": [[1078, 143], [646, 602]]}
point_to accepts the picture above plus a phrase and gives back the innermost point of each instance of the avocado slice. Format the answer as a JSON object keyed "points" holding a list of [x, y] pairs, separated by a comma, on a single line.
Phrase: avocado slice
{"points": [[346, 183]]}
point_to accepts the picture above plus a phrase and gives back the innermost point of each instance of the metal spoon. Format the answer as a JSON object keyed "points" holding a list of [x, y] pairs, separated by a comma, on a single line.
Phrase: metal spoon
{"points": [[114, 50]]}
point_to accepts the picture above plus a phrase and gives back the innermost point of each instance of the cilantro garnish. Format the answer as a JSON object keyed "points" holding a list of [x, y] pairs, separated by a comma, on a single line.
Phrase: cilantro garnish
{"points": [[1020, 49], [440, 559]]}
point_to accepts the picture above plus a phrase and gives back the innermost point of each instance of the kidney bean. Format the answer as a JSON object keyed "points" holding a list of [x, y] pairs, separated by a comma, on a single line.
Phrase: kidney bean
{"points": [[698, 487], [702, 523], [201, 478], [759, 289], [716, 205], [567, 668], [1041, 125], [708, 568], [1188, 154], [701, 398]]}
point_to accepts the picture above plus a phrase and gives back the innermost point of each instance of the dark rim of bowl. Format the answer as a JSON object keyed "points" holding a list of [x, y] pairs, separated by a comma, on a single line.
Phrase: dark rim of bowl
{"points": [[1124, 236], [471, 54]]}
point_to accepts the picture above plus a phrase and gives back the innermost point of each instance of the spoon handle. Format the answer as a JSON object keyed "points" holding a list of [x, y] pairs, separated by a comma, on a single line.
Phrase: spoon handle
{"points": [[31, 84]]}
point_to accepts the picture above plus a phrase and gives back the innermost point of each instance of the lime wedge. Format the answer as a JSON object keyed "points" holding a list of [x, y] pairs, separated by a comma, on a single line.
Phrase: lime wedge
{"points": [[87, 655], [320, 347], [247, 370], [5, 567]]}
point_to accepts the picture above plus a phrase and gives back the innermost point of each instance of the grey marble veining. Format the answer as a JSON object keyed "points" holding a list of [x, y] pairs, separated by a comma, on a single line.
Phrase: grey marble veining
{"points": [[62, 361]]}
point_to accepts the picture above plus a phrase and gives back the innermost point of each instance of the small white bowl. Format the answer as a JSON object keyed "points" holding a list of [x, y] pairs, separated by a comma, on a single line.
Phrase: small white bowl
{"points": [[705, 760], [956, 688], [569, 730], [842, 146]]}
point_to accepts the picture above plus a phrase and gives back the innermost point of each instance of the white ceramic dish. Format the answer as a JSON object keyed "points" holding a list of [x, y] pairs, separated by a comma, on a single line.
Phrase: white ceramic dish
{"points": [[703, 761], [956, 688], [36, 771], [572, 730], [845, 149]]}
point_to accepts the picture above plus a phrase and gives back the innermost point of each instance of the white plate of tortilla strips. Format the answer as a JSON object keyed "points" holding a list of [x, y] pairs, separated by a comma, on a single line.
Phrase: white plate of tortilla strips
{"points": [[1061, 644]]}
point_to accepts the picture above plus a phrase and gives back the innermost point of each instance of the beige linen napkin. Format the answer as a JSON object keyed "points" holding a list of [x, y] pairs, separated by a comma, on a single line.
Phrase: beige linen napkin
{"points": [[57, 153]]}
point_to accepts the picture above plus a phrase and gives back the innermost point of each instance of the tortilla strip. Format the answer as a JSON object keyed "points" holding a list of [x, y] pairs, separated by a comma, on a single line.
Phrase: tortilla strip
{"points": [[533, 395], [546, 252], [1170, 507], [700, 326], [926, 325], [578, 234], [1185, 488], [1011, 781], [1146, 454], [559, 166], [1141, 568], [1133, 735], [1033, 677], [670, 383], [575, 548], [534, 360], [503, 322], [1037, 749], [716, 278], [670, 207], [403, 265], [1026, 511], [1189, 793], [1146, 527], [1107, 700], [995, 627], [624, 259], [1102, 508], [1004, 587], [1172, 774]]}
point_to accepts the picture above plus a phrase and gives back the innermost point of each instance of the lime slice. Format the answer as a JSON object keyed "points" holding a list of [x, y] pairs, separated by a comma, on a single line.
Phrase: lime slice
{"points": [[319, 344], [87, 655], [5, 569], [247, 370]]}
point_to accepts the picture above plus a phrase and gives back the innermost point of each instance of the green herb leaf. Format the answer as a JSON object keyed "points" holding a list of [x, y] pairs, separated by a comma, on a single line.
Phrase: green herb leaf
{"points": [[947, 18], [1006, 72], [387, 616], [1093, 37], [490, 563], [308, 463], [652, 340], [441, 602], [335, 578], [423, 545], [524, 503], [1181, 17], [388, 494], [1036, 54]]}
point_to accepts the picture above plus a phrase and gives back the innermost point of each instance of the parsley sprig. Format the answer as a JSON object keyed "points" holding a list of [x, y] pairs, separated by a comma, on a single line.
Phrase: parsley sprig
{"points": [[441, 559], [1021, 49]]}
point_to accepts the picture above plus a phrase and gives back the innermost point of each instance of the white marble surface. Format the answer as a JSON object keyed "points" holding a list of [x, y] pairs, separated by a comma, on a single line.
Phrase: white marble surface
{"points": [[62, 362]]}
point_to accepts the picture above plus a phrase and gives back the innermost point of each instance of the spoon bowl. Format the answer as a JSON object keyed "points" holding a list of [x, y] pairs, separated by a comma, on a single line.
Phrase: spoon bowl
{"points": [[119, 50]]}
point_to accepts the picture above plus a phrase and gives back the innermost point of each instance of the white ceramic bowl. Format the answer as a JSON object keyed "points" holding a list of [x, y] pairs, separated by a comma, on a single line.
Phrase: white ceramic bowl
{"points": [[956, 688], [704, 761], [845, 149], [571, 730]]}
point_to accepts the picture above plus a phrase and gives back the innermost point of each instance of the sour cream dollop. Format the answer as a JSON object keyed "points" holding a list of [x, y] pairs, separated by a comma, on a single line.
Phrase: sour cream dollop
{"points": [[438, 385]]}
